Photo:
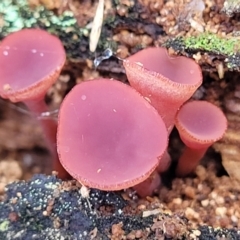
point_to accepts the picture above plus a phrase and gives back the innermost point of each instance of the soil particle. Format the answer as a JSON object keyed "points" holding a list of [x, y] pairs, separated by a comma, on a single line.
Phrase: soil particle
{"points": [[47, 208], [215, 198], [9, 172], [170, 227]]}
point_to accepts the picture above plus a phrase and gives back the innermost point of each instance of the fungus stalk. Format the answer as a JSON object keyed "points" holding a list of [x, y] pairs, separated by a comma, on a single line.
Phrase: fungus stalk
{"points": [[148, 186], [200, 124], [31, 61], [165, 81], [49, 125]]}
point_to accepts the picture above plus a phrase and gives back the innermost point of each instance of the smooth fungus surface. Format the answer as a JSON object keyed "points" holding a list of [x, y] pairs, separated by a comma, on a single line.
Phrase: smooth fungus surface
{"points": [[109, 137], [30, 60]]}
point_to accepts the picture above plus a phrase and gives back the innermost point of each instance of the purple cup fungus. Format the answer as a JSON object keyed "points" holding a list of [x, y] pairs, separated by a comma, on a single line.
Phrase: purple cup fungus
{"points": [[109, 137], [200, 124], [31, 61], [166, 81]]}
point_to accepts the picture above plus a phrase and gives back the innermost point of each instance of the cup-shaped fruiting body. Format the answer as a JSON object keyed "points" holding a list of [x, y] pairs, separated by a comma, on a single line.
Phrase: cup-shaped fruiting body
{"points": [[199, 124], [166, 81], [31, 61], [109, 137]]}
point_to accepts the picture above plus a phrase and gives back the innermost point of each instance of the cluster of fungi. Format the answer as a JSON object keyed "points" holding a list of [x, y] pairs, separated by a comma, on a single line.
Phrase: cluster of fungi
{"points": [[110, 135]]}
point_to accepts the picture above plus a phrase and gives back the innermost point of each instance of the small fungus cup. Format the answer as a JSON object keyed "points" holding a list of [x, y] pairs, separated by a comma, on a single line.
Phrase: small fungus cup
{"points": [[109, 137], [31, 61], [166, 81], [200, 124]]}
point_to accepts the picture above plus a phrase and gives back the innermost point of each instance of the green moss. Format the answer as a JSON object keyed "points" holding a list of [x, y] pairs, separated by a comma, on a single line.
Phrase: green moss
{"points": [[226, 49], [213, 43], [16, 14], [4, 226]]}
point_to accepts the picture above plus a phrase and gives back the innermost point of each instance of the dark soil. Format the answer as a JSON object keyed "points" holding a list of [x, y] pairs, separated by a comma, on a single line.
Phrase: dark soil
{"points": [[47, 208]]}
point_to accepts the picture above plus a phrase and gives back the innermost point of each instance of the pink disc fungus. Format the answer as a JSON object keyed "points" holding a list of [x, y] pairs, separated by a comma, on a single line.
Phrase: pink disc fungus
{"points": [[109, 137], [200, 124], [31, 61], [166, 81]]}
